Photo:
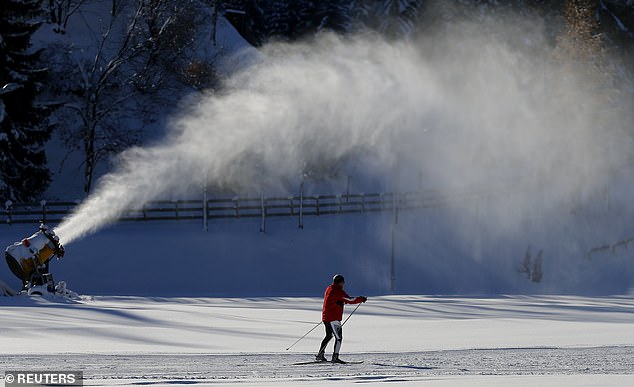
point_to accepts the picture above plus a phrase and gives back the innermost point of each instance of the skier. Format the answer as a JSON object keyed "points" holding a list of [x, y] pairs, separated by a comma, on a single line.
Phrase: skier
{"points": [[334, 299]]}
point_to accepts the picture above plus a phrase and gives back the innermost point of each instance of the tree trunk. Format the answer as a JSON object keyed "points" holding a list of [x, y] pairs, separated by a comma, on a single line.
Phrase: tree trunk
{"points": [[89, 148]]}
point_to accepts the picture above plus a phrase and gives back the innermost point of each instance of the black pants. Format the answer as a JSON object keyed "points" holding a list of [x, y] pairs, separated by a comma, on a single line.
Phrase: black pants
{"points": [[333, 328]]}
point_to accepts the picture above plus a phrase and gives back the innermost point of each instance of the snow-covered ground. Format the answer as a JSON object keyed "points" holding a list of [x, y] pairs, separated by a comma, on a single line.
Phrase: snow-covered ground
{"points": [[232, 326], [247, 296], [411, 340]]}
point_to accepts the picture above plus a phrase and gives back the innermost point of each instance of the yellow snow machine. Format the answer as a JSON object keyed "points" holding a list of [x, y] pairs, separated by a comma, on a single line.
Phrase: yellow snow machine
{"points": [[29, 260]]}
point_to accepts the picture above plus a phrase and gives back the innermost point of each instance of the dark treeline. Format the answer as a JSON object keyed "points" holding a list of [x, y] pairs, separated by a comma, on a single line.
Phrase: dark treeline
{"points": [[95, 107]]}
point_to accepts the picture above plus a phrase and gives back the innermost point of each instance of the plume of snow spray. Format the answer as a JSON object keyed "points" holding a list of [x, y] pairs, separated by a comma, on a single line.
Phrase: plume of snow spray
{"points": [[458, 109]]}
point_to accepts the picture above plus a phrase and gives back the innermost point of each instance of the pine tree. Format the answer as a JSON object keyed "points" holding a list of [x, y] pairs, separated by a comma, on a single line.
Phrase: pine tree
{"points": [[301, 21], [393, 18], [400, 17], [334, 15], [23, 172], [295, 19], [268, 19]]}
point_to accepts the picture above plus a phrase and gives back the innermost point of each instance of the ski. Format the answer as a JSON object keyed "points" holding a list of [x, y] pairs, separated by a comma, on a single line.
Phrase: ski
{"points": [[327, 362], [310, 362]]}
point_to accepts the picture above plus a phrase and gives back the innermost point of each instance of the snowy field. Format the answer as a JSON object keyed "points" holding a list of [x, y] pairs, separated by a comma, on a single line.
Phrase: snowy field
{"points": [[166, 304], [409, 340]]}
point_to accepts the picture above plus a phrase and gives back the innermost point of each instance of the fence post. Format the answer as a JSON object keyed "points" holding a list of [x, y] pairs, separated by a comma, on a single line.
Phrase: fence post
{"points": [[301, 205], [7, 207], [263, 210], [393, 253], [236, 206], [43, 204], [291, 204], [205, 223]]}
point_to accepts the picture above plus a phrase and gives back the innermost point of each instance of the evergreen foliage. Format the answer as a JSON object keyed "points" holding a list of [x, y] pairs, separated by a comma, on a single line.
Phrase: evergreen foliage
{"points": [[292, 20], [23, 131]]}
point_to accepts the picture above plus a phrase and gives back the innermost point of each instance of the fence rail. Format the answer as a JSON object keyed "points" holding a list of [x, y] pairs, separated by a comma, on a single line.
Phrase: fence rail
{"points": [[239, 207]]}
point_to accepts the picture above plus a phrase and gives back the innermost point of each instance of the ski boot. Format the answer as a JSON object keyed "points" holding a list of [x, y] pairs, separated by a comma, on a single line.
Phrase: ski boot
{"points": [[335, 359]]}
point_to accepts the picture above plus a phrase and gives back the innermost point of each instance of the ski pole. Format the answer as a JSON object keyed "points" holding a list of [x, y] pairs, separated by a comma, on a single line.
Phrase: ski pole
{"points": [[298, 340], [350, 315]]}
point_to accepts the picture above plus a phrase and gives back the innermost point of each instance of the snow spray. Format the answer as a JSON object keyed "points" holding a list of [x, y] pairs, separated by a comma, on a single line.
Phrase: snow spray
{"points": [[458, 108]]}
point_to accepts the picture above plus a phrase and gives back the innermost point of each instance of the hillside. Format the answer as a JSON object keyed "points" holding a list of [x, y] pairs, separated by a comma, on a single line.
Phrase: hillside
{"points": [[471, 108], [210, 52]]}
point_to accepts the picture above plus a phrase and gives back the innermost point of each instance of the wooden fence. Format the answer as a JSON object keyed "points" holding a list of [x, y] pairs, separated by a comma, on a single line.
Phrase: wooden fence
{"points": [[239, 207]]}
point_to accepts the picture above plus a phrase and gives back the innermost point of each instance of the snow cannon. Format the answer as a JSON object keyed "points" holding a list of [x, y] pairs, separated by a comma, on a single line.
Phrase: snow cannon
{"points": [[29, 260]]}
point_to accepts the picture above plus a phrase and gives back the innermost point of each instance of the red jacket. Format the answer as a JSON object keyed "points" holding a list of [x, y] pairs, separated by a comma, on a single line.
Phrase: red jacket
{"points": [[334, 298]]}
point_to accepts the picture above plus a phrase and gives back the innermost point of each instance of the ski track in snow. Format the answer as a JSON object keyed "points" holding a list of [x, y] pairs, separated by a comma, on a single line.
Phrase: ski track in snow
{"points": [[405, 340], [417, 367]]}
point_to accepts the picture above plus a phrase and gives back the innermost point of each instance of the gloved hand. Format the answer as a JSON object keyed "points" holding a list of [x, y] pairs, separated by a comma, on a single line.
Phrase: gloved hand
{"points": [[362, 298]]}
